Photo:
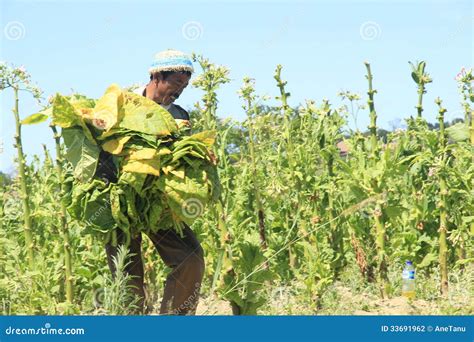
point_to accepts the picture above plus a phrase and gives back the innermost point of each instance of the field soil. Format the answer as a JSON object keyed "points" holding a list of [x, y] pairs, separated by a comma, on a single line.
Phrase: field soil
{"points": [[350, 304]]}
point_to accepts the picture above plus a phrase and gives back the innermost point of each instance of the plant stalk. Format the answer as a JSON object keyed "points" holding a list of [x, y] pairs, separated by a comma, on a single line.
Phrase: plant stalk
{"points": [[63, 217], [23, 184], [443, 214]]}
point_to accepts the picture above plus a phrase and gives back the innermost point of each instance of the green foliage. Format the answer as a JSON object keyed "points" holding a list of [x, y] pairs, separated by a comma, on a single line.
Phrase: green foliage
{"points": [[116, 297], [243, 282], [81, 153], [298, 201], [34, 119], [418, 73]]}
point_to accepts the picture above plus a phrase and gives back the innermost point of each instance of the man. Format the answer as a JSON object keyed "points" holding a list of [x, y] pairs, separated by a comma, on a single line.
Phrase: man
{"points": [[169, 75]]}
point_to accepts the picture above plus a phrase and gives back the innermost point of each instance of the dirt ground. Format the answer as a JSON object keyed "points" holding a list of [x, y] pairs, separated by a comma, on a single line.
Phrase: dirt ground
{"points": [[213, 306], [392, 306], [347, 303], [396, 306]]}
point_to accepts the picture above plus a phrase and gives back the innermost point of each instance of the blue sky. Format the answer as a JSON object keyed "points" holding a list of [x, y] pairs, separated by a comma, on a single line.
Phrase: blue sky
{"points": [[87, 45]]}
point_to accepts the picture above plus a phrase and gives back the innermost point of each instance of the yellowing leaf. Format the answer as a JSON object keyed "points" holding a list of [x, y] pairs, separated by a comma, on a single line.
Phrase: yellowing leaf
{"points": [[178, 173], [87, 113], [149, 166], [163, 151], [182, 123], [167, 169], [207, 137], [145, 153], [143, 115], [115, 146], [109, 107]]}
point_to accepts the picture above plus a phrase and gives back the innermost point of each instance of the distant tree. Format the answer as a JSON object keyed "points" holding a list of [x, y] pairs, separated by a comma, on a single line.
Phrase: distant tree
{"points": [[5, 179]]}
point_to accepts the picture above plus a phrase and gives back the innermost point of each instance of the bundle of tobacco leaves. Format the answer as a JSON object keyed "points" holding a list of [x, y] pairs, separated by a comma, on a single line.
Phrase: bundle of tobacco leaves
{"points": [[164, 176]]}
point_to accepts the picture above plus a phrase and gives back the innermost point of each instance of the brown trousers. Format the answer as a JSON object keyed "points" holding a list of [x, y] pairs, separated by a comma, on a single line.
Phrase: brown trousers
{"points": [[183, 255]]}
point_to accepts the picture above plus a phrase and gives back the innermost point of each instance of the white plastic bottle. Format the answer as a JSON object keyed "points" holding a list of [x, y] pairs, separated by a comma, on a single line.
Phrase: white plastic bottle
{"points": [[408, 280]]}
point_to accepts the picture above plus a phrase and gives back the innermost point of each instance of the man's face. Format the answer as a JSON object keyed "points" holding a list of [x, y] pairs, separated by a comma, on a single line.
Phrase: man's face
{"points": [[166, 91]]}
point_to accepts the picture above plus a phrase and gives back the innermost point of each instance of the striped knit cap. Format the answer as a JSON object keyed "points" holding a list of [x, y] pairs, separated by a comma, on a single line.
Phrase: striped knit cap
{"points": [[171, 60]]}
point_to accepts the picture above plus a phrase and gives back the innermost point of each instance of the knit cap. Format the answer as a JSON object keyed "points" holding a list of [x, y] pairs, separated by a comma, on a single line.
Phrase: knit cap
{"points": [[171, 60]]}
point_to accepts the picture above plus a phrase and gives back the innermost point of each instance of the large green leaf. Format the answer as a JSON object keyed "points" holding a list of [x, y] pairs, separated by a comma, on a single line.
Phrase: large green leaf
{"points": [[135, 180], [82, 154], [90, 204], [97, 212]]}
